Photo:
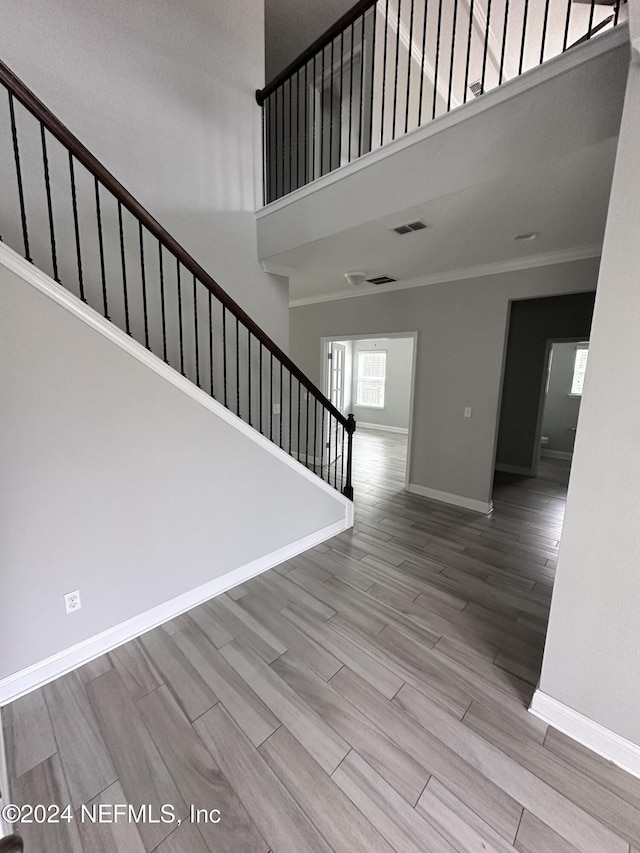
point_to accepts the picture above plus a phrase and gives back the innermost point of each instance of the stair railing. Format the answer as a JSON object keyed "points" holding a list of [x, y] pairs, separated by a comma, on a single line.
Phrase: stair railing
{"points": [[67, 214], [387, 67]]}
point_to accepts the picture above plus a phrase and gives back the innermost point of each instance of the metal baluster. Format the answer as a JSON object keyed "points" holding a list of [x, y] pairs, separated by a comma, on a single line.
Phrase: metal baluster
{"points": [[298, 454], [16, 156], [453, 50], [47, 185], [544, 30], [103, 276], [372, 76], [409, 58], [315, 431], [504, 41], [342, 462], [249, 376], [224, 352], [269, 143], [290, 405], [306, 125], [524, 35], [271, 396], [435, 71], [162, 303], [335, 467], [591, 14], [76, 225], [143, 278], [195, 331], [297, 129], [322, 117], [180, 337], [350, 93], [124, 271], [395, 85], [276, 153], [486, 45], [237, 367], [466, 70], [384, 69], [424, 47], [566, 26], [261, 404], [306, 449], [341, 97], [280, 404], [617, 13], [361, 110], [283, 137], [290, 134], [313, 120], [211, 344], [322, 444], [331, 166]]}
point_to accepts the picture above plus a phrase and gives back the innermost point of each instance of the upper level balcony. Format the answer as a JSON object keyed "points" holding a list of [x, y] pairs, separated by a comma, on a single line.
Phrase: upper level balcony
{"points": [[388, 67]]}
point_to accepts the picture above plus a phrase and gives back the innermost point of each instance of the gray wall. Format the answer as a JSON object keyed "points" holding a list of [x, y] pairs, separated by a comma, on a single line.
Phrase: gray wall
{"points": [[560, 409], [116, 483], [462, 329], [592, 655], [291, 26], [397, 387], [163, 94], [532, 323]]}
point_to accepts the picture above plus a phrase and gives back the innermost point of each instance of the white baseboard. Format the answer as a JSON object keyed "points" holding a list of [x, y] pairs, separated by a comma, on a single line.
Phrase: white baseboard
{"points": [[33, 677], [599, 739], [556, 454], [514, 469], [402, 430], [485, 507], [5, 828]]}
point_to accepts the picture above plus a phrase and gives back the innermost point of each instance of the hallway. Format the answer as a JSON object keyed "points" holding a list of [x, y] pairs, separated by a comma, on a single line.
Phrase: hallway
{"points": [[368, 696]]}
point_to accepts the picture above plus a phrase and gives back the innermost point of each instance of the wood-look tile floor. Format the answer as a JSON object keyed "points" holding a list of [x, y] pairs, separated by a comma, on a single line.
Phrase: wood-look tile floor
{"points": [[368, 696]]}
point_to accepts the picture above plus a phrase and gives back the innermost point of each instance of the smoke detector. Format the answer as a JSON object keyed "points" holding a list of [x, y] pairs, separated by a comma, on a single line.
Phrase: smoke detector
{"points": [[355, 277]]}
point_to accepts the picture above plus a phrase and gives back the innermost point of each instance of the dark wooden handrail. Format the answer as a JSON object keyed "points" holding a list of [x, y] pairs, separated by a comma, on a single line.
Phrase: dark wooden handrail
{"points": [[35, 106], [326, 38]]}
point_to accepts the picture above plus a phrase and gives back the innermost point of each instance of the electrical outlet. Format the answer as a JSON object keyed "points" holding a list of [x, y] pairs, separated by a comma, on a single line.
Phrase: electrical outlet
{"points": [[72, 601], [467, 411], [276, 408]]}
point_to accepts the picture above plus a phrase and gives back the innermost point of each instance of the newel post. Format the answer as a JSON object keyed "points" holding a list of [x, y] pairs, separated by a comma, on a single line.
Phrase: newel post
{"points": [[351, 428]]}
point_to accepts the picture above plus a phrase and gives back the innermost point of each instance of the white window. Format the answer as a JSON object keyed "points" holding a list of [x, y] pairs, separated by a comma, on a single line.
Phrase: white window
{"points": [[372, 369], [579, 369]]}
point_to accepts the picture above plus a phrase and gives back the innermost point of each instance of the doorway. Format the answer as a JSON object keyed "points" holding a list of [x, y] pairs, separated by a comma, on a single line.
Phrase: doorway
{"points": [[372, 377]]}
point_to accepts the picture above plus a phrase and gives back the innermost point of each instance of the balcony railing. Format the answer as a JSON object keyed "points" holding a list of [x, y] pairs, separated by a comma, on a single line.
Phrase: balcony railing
{"points": [[388, 67]]}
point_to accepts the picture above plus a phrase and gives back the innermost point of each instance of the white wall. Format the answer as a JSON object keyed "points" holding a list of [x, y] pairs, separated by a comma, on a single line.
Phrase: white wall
{"points": [[397, 386], [462, 329], [163, 94], [561, 410], [118, 483], [592, 656]]}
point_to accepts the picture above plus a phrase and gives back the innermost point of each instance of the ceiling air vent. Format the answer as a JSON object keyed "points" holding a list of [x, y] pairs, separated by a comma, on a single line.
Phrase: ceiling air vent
{"points": [[476, 88], [381, 279], [409, 227]]}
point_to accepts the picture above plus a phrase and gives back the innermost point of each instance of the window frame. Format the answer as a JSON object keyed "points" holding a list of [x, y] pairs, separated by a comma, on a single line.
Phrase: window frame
{"points": [[382, 380], [582, 346]]}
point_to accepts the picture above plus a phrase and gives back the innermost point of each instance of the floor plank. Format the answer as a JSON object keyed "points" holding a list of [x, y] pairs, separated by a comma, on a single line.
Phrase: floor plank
{"points": [[28, 733]]}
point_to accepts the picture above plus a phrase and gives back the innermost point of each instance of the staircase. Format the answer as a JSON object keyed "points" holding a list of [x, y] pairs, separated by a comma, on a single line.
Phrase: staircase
{"points": [[69, 216]]}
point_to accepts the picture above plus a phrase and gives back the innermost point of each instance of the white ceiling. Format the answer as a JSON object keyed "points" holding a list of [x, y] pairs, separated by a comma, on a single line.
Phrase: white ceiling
{"points": [[565, 202]]}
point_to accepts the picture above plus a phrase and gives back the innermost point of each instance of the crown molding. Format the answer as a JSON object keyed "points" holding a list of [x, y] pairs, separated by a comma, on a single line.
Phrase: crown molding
{"points": [[564, 256]]}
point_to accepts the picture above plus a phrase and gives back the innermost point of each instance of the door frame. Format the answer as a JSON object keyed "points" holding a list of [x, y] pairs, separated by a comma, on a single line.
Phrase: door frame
{"points": [[543, 394], [326, 341]]}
